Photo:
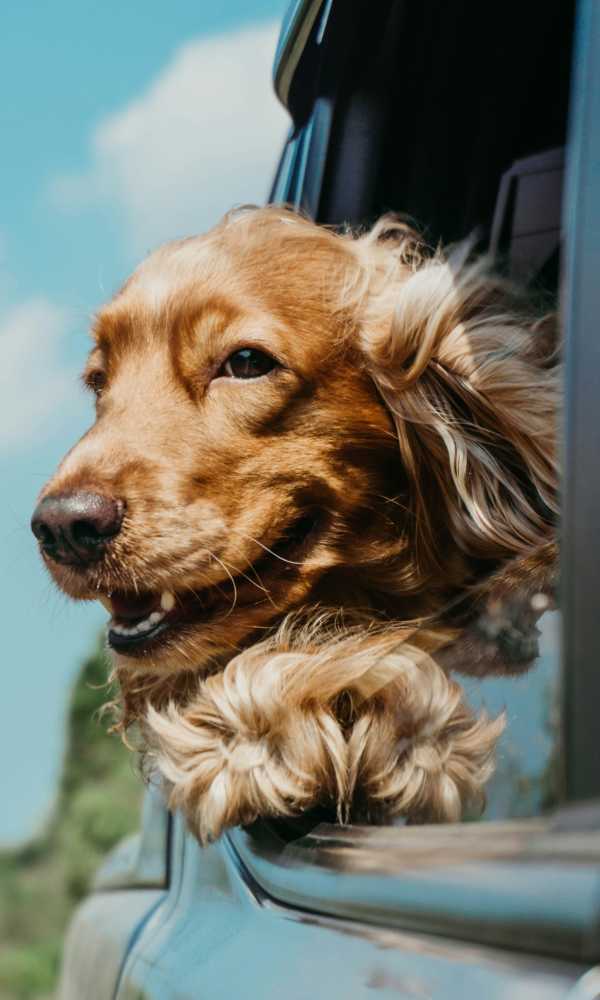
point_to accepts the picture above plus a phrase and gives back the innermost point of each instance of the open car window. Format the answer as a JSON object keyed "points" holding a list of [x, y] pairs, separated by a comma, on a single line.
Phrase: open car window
{"points": [[466, 141]]}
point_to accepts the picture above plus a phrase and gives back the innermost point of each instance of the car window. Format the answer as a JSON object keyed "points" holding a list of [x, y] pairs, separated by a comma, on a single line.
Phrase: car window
{"points": [[412, 114]]}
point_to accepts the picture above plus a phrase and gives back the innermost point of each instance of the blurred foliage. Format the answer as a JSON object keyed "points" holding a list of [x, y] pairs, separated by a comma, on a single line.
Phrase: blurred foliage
{"points": [[98, 803]]}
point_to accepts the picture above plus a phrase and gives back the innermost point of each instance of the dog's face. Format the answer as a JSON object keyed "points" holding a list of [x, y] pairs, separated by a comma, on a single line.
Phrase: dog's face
{"points": [[288, 417], [241, 455]]}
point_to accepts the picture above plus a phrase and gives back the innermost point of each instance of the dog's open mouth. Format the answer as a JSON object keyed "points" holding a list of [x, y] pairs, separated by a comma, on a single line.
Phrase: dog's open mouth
{"points": [[141, 621]]}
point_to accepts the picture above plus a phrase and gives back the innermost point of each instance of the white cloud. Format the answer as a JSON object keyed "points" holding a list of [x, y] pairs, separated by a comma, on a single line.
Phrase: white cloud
{"points": [[35, 384], [205, 135]]}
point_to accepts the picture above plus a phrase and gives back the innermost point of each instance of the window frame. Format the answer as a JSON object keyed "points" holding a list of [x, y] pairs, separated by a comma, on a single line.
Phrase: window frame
{"points": [[581, 483]]}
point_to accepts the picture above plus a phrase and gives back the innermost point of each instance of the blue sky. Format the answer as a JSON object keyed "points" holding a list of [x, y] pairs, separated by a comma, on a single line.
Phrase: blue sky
{"points": [[121, 125]]}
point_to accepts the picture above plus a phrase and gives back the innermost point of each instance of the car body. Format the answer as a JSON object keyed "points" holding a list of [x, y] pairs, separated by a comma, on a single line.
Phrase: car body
{"points": [[473, 119]]}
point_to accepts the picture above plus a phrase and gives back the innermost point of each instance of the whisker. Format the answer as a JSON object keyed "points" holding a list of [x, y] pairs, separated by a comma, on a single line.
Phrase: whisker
{"points": [[290, 562], [262, 587], [255, 583], [393, 500], [233, 583], [213, 586], [184, 652], [249, 579]]}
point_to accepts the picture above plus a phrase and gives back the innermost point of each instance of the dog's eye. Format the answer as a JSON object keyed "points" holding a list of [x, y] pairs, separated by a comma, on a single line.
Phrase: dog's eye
{"points": [[248, 363], [96, 380]]}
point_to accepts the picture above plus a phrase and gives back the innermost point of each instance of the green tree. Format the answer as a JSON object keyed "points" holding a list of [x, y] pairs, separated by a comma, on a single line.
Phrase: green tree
{"points": [[98, 803]]}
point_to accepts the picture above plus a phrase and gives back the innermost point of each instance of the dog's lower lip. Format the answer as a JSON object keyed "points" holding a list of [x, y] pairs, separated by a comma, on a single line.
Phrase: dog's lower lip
{"points": [[122, 643]]}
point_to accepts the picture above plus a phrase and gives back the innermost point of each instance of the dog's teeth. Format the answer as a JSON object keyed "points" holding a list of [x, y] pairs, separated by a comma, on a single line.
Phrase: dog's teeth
{"points": [[144, 626], [106, 601], [120, 630], [167, 601]]}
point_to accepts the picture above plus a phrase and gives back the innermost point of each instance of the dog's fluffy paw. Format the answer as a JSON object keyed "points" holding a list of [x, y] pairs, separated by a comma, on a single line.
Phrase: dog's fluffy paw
{"points": [[444, 754], [373, 732], [238, 751]]}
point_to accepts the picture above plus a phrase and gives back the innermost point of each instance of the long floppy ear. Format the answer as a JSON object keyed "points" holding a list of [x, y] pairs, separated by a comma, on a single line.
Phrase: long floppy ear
{"points": [[473, 395]]}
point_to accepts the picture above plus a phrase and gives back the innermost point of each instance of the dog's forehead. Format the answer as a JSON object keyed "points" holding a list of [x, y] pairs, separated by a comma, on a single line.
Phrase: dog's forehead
{"points": [[178, 277], [177, 269], [275, 264], [205, 283]]}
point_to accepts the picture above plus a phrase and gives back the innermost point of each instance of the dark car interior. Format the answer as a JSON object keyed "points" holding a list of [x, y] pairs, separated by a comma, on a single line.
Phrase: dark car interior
{"points": [[416, 114]]}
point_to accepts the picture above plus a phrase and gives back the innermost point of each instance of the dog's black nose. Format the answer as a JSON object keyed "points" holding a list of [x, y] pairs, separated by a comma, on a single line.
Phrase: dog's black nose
{"points": [[75, 527]]}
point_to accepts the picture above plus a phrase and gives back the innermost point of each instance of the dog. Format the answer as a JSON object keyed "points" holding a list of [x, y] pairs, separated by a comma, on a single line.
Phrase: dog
{"points": [[323, 467]]}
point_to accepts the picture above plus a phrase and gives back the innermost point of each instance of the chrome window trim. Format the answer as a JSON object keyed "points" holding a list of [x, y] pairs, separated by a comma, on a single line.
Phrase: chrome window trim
{"points": [[295, 31], [527, 885]]}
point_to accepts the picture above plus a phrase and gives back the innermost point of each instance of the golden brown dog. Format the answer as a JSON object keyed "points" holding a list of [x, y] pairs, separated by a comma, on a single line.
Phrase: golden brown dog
{"points": [[290, 419]]}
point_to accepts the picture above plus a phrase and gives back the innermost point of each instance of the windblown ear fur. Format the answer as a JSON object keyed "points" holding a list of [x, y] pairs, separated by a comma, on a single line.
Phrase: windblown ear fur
{"points": [[361, 723], [473, 392]]}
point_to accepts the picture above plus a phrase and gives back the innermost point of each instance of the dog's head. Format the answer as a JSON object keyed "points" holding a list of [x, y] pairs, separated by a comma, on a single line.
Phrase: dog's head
{"points": [[286, 416]]}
